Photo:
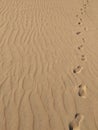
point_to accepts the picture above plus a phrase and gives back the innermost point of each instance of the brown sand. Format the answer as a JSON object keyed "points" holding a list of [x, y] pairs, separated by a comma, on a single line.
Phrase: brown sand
{"points": [[47, 49]]}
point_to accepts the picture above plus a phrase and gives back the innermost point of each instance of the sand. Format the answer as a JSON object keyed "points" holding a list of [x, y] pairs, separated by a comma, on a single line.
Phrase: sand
{"points": [[48, 64]]}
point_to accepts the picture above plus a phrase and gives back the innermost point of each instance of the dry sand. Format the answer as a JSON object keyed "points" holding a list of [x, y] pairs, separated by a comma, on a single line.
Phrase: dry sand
{"points": [[48, 64]]}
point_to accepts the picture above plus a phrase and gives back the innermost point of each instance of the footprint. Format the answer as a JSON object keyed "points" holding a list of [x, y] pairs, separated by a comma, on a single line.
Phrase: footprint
{"points": [[83, 40], [84, 6], [77, 69], [80, 47], [83, 58], [87, 1], [76, 123], [82, 91], [79, 117], [85, 29], [78, 33], [79, 23], [81, 11], [81, 19]]}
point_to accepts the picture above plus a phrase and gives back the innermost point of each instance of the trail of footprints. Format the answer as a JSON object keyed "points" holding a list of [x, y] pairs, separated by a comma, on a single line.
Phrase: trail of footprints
{"points": [[82, 88]]}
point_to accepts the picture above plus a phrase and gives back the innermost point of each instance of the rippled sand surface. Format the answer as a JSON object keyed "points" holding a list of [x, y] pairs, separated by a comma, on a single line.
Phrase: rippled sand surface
{"points": [[48, 64]]}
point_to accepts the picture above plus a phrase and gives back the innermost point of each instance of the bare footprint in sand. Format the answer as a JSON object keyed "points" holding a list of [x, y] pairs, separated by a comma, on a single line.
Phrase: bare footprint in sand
{"points": [[83, 40], [79, 23], [78, 69], [80, 47], [84, 6], [85, 29], [83, 58], [77, 33], [82, 91], [82, 11], [87, 1], [76, 123]]}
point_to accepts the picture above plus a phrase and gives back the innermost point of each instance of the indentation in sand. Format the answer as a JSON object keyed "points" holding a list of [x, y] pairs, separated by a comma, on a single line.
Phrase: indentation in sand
{"points": [[83, 58], [78, 69], [82, 91], [76, 123], [80, 47]]}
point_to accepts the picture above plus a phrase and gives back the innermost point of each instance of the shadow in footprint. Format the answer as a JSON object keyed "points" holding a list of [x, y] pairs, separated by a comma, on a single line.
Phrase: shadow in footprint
{"points": [[77, 33], [83, 40], [78, 69], [75, 124], [70, 127], [83, 58], [80, 47], [82, 91]]}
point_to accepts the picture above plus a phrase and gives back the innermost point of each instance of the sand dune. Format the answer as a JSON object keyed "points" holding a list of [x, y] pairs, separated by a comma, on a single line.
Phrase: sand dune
{"points": [[48, 65]]}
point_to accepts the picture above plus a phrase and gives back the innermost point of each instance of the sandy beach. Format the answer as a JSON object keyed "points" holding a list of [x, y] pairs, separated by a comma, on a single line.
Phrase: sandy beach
{"points": [[48, 64]]}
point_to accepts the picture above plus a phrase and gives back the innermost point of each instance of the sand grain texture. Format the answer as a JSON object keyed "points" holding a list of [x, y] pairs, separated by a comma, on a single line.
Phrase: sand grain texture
{"points": [[42, 42]]}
